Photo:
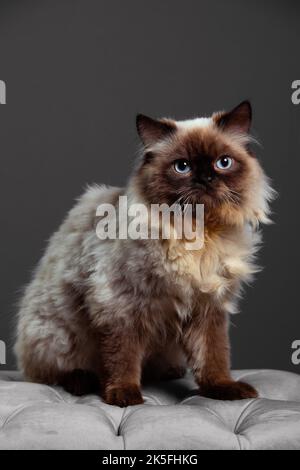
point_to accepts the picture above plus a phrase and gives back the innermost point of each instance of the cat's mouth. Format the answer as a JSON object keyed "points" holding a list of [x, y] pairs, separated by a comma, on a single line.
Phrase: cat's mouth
{"points": [[201, 187], [211, 198], [201, 195]]}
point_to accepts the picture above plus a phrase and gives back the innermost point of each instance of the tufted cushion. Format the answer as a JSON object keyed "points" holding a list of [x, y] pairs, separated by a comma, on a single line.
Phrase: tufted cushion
{"points": [[34, 416]]}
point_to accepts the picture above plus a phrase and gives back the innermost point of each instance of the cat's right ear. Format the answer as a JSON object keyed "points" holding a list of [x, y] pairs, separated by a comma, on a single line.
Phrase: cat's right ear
{"points": [[153, 130]]}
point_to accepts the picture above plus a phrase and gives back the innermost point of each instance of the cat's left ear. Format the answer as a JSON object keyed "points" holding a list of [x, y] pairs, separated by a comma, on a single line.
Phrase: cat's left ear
{"points": [[153, 130], [239, 119]]}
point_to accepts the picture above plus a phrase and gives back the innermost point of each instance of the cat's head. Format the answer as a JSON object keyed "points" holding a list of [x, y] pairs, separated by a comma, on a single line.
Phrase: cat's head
{"points": [[206, 161]]}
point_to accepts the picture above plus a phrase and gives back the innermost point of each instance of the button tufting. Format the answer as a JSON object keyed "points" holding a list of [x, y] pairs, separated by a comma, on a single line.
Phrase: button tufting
{"points": [[172, 417]]}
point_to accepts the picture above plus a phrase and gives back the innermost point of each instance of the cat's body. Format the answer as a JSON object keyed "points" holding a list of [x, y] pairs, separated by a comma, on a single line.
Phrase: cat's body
{"points": [[114, 307]]}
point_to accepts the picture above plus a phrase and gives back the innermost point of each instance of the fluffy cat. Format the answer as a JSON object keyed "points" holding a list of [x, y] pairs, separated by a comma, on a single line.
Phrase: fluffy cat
{"points": [[101, 314]]}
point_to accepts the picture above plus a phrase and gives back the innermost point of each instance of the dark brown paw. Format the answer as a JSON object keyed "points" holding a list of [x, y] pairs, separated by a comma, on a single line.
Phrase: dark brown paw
{"points": [[80, 382], [174, 373], [126, 395], [228, 391]]}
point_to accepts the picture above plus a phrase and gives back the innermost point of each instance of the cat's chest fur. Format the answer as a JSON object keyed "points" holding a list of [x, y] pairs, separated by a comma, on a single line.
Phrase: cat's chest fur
{"points": [[221, 263]]}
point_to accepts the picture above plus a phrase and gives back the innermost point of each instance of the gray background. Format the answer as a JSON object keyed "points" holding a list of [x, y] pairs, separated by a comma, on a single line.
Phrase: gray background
{"points": [[77, 72]]}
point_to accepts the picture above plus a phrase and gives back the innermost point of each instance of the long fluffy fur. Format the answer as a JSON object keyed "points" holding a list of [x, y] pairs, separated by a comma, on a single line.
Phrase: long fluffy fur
{"points": [[114, 306]]}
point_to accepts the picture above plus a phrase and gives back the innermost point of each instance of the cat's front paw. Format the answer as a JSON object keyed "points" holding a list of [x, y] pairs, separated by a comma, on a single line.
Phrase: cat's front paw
{"points": [[229, 390], [123, 395]]}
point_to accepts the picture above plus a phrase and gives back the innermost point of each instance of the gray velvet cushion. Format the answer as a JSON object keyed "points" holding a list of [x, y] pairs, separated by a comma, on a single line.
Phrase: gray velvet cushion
{"points": [[34, 416]]}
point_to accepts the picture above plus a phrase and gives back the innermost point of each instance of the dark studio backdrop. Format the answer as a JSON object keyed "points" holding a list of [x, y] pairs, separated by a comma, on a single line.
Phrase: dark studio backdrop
{"points": [[78, 71]]}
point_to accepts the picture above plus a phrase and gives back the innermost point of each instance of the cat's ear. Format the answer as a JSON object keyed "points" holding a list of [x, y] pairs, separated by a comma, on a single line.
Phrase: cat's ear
{"points": [[239, 119], [153, 130]]}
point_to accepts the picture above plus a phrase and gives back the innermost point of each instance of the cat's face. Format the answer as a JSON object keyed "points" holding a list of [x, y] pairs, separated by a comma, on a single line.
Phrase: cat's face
{"points": [[204, 161]]}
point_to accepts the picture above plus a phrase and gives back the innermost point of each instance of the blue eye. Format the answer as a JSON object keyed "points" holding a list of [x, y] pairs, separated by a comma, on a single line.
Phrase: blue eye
{"points": [[224, 163], [182, 166]]}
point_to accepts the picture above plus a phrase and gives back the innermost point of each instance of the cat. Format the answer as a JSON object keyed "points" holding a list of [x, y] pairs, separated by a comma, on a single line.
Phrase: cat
{"points": [[103, 315]]}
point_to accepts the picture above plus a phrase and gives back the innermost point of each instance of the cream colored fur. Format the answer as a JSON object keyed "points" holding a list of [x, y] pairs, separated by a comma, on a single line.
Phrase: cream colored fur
{"points": [[83, 284]]}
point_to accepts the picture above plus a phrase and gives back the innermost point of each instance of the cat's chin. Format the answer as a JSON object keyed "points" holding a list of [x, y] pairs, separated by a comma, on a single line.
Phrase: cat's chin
{"points": [[209, 201], [206, 196]]}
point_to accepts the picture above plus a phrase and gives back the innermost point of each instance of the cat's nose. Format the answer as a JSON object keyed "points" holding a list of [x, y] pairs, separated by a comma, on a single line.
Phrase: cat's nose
{"points": [[205, 179]]}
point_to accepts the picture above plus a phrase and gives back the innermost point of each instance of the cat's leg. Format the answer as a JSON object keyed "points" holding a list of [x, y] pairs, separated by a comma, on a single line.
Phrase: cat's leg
{"points": [[56, 352], [121, 362], [206, 343], [43, 364]]}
